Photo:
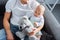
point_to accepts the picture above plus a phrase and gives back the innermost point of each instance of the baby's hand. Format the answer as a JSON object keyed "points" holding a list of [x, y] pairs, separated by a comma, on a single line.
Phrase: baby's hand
{"points": [[34, 29], [35, 24], [31, 33]]}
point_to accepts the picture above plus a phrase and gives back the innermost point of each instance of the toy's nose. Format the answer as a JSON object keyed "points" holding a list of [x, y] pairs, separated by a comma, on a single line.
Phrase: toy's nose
{"points": [[20, 27]]}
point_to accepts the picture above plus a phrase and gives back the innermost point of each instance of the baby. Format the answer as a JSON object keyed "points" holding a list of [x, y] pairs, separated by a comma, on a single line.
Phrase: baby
{"points": [[37, 20]]}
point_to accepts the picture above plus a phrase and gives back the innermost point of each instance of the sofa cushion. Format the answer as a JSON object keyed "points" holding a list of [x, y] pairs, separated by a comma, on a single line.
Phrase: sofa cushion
{"points": [[2, 10]]}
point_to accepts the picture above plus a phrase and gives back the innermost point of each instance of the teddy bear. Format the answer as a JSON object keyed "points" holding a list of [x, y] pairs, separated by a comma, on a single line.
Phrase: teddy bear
{"points": [[25, 28]]}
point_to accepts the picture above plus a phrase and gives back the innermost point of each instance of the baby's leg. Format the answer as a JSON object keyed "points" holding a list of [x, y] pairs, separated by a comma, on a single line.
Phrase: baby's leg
{"points": [[38, 37], [22, 38], [33, 37]]}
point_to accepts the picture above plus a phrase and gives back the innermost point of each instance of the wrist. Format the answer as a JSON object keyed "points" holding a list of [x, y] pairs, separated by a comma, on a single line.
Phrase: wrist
{"points": [[8, 32]]}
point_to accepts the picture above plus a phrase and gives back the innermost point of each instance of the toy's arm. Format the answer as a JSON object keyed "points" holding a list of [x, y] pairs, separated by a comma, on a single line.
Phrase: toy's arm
{"points": [[28, 30]]}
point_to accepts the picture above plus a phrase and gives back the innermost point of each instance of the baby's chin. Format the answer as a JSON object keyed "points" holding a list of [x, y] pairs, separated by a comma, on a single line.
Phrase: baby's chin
{"points": [[25, 2]]}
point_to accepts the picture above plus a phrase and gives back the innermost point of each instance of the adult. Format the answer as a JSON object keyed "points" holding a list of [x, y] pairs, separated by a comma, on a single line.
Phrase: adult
{"points": [[18, 9]]}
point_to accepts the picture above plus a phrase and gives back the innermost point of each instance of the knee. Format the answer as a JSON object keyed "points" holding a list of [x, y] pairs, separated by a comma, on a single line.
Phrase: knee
{"points": [[38, 36]]}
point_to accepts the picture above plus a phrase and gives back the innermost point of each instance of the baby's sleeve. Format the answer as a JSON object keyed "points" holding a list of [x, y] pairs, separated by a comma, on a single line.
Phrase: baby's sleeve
{"points": [[9, 5]]}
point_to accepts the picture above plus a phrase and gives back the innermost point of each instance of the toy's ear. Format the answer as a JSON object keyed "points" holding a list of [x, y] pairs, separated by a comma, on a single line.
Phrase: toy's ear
{"points": [[25, 17]]}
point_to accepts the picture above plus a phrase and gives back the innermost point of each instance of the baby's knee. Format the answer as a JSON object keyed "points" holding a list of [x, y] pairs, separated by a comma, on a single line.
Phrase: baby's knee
{"points": [[38, 36]]}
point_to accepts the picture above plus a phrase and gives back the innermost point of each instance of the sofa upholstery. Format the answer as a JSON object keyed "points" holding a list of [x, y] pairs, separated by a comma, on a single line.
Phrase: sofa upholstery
{"points": [[2, 10], [52, 23]]}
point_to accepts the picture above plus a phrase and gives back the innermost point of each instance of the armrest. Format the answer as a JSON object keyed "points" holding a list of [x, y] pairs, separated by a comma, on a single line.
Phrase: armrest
{"points": [[52, 23]]}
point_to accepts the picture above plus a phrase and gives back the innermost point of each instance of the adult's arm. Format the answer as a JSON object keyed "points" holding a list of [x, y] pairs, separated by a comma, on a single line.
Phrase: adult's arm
{"points": [[6, 22], [7, 26], [9, 6]]}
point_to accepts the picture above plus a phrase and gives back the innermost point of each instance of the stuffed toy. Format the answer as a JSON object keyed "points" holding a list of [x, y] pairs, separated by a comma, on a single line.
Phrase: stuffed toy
{"points": [[25, 28]]}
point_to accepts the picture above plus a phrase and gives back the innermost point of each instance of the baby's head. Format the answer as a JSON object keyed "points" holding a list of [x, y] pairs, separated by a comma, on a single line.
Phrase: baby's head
{"points": [[37, 11]]}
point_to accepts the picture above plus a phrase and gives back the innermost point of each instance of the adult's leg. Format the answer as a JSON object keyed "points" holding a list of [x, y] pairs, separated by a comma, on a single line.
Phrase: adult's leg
{"points": [[26, 38], [14, 29], [15, 37], [2, 34]]}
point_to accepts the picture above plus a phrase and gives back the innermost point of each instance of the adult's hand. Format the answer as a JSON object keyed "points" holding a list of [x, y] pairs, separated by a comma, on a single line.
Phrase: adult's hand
{"points": [[10, 36], [7, 26], [35, 24]]}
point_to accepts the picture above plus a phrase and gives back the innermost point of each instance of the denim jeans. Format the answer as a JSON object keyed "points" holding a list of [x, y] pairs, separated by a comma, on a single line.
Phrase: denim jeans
{"points": [[2, 34], [14, 29]]}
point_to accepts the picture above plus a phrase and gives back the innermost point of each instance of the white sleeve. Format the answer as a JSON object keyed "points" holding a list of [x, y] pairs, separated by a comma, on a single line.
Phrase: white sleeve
{"points": [[9, 5], [41, 22], [34, 4]]}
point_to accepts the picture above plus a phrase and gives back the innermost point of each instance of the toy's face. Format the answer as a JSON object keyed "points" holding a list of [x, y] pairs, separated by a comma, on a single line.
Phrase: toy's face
{"points": [[24, 22], [23, 25]]}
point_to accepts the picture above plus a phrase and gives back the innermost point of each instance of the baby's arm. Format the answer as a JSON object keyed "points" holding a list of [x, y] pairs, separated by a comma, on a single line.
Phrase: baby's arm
{"points": [[29, 31], [41, 22]]}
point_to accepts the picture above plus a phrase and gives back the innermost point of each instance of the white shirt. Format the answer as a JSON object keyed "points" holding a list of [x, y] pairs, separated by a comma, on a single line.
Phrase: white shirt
{"points": [[18, 9]]}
